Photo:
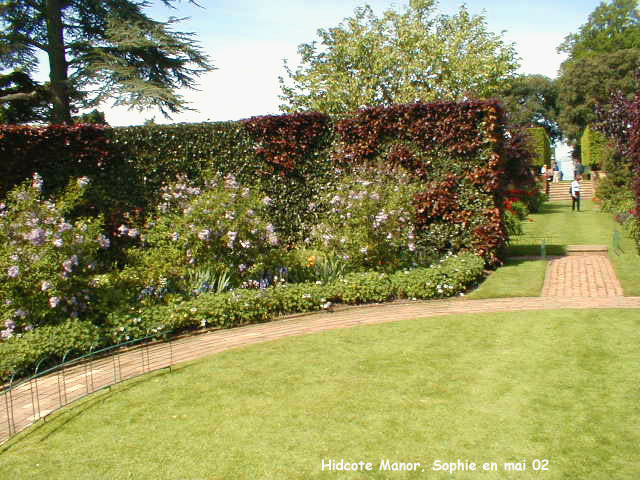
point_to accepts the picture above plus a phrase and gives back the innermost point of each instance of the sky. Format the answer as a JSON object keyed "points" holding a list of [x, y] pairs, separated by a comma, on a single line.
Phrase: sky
{"points": [[247, 41]]}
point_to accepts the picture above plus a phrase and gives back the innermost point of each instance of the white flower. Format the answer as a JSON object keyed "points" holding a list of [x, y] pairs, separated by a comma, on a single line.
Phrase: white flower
{"points": [[103, 241], [133, 233], [83, 181], [45, 286], [204, 234], [13, 272], [123, 229], [54, 302], [58, 242], [37, 181]]}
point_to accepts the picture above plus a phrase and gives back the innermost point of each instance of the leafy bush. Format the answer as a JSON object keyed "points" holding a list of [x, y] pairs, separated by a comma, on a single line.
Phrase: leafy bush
{"points": [[595, 148], [47, 262], [450, 276], [513, 223], [362, 288], [370, 221], [540, 145], [50, 343], [218, 227]]}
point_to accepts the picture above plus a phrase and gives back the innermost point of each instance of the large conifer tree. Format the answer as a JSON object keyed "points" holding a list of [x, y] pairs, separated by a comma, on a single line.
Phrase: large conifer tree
{"points": [[97, 50]]}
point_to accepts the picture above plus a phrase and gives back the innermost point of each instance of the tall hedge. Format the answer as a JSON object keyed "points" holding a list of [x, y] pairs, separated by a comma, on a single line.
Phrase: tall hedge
{"points": [[456, 149], [595, 148], [540, 145]]}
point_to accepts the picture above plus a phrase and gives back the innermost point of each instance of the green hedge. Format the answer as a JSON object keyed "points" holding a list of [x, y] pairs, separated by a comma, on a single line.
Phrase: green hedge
{"points": [[595, 148], [540, 145]]}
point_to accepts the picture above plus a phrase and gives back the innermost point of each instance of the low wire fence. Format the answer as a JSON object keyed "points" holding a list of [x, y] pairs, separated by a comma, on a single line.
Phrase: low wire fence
{"points": [[26, 401]]}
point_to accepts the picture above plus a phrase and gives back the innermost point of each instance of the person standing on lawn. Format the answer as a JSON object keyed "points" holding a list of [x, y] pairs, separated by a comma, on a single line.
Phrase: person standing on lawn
{"points": [[575, 193], [556, 172]]}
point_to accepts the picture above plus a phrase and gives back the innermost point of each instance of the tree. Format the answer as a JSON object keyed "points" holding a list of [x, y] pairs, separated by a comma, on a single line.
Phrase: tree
{"points": [[602, 58], [398, 58], [531, 100], [98, 50], [589, 81]]}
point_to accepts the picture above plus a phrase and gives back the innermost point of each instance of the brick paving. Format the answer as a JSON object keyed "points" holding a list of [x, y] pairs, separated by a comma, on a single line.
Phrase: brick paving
{"points": [[581, 276], [584, 282]]}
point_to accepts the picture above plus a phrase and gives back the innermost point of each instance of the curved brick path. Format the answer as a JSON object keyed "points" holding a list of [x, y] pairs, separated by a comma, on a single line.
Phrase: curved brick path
{"points": [[564, 288]]}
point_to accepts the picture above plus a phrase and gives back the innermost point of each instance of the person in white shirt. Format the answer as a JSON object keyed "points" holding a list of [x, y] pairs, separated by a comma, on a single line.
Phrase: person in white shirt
{"points": [[575, 193]]}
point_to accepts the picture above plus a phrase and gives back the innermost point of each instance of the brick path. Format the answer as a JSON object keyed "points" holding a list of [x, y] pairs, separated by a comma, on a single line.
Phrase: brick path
{"points": [[571, 282], [581, 276]]}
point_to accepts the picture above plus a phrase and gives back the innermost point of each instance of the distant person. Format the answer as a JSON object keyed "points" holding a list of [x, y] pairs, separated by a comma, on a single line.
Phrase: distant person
{"points": [[578, 169], [543, 170], [575, 193], [556, 172]]}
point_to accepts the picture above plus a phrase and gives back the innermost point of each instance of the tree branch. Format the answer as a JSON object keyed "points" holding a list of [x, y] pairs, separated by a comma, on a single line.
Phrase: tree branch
{"points": [[19, 96]]}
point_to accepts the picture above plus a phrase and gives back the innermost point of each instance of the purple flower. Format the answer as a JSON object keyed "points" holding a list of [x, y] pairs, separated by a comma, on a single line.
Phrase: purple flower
{"points": [[28, 328], [21, 313], [267, 201], [70, 263], [54, 302], [10, 324], [103, 241], [63, 227], [13, 272]]}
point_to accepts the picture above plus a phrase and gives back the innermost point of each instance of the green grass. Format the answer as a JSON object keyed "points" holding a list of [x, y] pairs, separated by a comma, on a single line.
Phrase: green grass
{"points": [[560, 226], [517, 278], [556, 385]]}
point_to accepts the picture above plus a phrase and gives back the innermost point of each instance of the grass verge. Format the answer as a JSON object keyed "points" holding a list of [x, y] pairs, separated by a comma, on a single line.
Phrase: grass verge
{"points": [[560, 386], [516, 278]]}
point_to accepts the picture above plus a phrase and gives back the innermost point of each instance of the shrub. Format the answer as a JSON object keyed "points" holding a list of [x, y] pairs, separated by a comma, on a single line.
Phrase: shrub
{"points": [[370, 221], [512, 223], [540, 145], [595, 148], [47, 261], [362, 288], [218, 227], [50, 343], [450, 276]]}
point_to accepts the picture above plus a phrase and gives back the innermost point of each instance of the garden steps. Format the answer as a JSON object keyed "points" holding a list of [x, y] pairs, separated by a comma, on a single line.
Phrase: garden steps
{"points": [[587, 250], [560, 191]]}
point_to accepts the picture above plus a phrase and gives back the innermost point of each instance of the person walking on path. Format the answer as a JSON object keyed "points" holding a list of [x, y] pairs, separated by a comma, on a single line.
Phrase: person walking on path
{"points": [[575, 193]]}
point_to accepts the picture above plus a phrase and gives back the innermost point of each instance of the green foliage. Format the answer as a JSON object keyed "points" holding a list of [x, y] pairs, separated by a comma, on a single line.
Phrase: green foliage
{"points": [[399, 57], [50, 343], [532, 100], [450, 276], [370, 221], [512, 223], [541, 146], [101, 51], [596, 148], [602, 59], [47, 261], [219, 227]]}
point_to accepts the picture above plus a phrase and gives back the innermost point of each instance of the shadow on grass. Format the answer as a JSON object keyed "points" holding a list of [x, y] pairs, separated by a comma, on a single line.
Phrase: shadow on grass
{"points": [[532, 250], [59, 418]]}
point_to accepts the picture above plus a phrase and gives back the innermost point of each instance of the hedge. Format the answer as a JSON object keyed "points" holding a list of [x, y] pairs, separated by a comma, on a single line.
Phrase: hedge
{"points": [[595, 148], [540, 145], [456, 149]]}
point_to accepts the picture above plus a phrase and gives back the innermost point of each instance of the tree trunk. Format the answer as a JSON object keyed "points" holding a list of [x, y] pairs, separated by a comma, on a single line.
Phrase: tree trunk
{"points": [[57, 63]]}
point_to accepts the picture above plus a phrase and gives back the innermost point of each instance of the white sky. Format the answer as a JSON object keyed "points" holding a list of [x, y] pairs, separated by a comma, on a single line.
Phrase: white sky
{"points": [[248, 39]]}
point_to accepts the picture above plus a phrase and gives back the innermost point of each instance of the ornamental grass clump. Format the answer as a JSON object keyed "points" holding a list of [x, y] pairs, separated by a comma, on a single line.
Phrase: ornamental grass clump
{"points": [[369, 221], [47, 261], [219, 227]]}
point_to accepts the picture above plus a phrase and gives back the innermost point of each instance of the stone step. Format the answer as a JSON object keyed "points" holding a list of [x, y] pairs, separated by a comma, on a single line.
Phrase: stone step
{"points": [[587, 250]]}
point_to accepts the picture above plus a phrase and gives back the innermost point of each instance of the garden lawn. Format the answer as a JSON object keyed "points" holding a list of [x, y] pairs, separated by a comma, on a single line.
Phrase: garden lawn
{"points": [[560, 386], [516, 278], [560, 226]]}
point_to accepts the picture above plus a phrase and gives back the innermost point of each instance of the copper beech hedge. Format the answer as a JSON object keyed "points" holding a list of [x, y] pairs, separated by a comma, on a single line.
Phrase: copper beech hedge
{"points": [[458, 150]]}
